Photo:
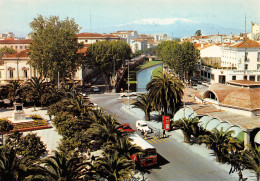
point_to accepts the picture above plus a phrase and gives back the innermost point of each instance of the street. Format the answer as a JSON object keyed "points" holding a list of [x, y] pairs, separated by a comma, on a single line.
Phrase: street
{"points": [[175, 161]]}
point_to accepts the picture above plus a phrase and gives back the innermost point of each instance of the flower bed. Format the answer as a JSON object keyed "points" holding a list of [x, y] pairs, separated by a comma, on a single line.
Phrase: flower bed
{"points": [[36, 124]]}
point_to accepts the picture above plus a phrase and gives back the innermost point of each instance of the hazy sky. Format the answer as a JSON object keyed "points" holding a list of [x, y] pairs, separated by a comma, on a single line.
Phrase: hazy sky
{"points": [[108, 15]]}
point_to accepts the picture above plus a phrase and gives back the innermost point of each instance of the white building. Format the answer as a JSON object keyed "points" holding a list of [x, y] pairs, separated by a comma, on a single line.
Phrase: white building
{"points": [[89, 38], [7, 35], [16, 67], [127, 36], [234, 64], [255, 32], [136, 45]]}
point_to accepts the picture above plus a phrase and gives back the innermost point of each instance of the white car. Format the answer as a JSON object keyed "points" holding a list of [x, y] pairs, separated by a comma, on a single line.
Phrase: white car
{"points": [[141, 125]]}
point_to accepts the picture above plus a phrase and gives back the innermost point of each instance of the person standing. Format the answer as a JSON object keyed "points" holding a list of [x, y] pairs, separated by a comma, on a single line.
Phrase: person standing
{"points": [[240, 175], [164, 135], [89, 153]]}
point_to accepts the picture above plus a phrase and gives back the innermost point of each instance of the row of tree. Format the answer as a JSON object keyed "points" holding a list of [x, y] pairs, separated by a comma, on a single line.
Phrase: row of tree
{"points": [[82, 126], [165, 93], [56, 52], [183, 58]]}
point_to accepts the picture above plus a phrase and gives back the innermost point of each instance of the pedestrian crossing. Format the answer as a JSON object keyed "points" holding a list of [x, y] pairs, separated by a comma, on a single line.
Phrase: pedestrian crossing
{"points": [[154, 140]]}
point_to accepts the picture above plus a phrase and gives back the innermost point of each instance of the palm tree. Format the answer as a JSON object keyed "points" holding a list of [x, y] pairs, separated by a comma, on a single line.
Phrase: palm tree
{"points": [[222, 143], [124, 147], [14, 88], [143, 102], [105, 131], [36, 88], [5, 127], [64, 169], [14, 168], [14, 138], [188, 127], [251, 160], [114, 168], [166, 92]]}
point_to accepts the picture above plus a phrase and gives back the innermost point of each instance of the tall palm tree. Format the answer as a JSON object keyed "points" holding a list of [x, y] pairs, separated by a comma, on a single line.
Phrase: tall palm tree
{"points": [[166, 92], [143, 102], [114, 168], [251, 160], [36, 89], [188, 127], [64, 169], [222, 143], [14, 168]]}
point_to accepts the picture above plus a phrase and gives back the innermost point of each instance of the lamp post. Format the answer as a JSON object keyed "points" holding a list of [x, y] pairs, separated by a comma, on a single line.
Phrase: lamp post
{"points": [[114, 77], [128, 83]]}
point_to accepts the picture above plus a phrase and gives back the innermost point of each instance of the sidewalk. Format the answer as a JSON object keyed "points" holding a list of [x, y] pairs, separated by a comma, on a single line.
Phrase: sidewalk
{"points": [[200, 150]]}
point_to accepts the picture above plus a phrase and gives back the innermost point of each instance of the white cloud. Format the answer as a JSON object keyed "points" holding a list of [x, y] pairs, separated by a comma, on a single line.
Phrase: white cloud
{"points": [[158, 21]]}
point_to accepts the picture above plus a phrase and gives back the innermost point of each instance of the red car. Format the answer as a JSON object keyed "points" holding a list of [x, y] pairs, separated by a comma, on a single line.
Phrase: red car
{"points": [[127, 128]]}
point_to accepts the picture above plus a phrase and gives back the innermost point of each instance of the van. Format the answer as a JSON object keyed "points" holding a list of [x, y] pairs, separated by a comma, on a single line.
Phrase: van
{"points": [[141, 125]]}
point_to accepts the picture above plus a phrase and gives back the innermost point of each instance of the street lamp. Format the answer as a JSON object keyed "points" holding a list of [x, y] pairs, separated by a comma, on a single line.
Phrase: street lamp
{"points": [[114, 77], [128, 83]]}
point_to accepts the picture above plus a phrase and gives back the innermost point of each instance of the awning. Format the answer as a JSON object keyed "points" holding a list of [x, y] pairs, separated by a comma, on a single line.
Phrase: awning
{"points": [[189, 114], [212, 124], [224, 126]]}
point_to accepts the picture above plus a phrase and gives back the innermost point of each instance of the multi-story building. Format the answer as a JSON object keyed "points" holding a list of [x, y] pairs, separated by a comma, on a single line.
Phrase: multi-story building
{"points": [[16, 44], [137, 44], [89, 38], [127, 36], [7, 35], [239, 61]]}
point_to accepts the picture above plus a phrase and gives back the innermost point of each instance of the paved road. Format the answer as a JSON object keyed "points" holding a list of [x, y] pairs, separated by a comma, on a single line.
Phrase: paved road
{"points": [[176, 162]]}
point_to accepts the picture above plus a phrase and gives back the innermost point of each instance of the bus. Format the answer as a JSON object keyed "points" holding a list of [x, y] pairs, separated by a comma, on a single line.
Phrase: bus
{"points": [[149, 157]]}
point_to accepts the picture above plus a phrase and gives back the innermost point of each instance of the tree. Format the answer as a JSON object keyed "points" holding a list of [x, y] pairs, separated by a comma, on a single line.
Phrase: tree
{"points": [[14, 139], [14, 168], [31, 145], [124, 147], [13, 89], [35, 90], [221, 142], [143, 102], [105, 56], [62, 168], [54, 48], [198, 33], [166, 92], [114, 168], [188, 127], [251, 160], [182, 58], [5, 127], [7, 50]]}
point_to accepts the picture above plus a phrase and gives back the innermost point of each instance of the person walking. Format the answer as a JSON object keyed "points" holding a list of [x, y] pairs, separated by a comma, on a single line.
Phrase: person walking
{"points": [[240, 175], [93, 159], [145, 134], [89, 153]]}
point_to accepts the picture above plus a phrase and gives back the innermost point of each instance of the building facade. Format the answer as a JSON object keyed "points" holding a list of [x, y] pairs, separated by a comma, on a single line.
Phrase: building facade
{"points": [[16, 44]]}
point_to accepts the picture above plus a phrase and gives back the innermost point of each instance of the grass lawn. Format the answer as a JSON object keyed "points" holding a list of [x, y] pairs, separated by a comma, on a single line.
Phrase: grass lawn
{"points": [[157, 71], [132, 73]]}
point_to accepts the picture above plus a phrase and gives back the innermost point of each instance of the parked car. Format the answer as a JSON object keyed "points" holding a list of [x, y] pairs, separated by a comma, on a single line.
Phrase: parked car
{"points": [[95, 89], [126, 128], [141, 125]]}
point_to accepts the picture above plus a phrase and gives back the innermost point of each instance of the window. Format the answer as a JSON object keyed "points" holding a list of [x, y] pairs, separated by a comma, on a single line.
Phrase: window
{"points": [[11, 75], [246, 66], [86, 41], [21, 47], [0, 75], [258, 66], [212, 76], [25, 73], [258, 57], [245, 77], [258, 78], [234, 77], [246, 55]]}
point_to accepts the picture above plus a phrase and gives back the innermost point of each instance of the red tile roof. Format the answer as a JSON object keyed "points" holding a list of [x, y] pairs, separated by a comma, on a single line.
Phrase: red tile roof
{"points": [[21, 54], [13, 41], [247, 44], [236, 96]]}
